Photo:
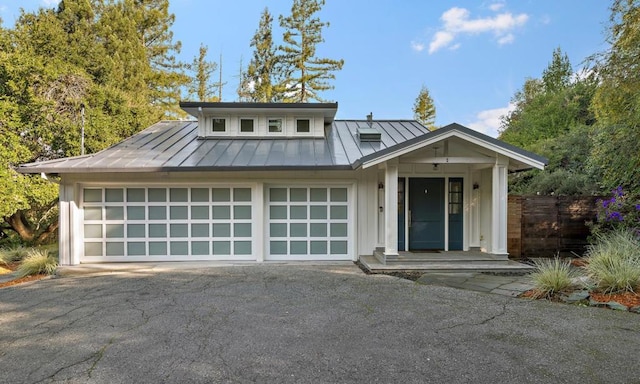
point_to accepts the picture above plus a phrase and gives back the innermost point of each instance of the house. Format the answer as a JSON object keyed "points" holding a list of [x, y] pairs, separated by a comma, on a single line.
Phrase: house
{"points": [[275, 181]]}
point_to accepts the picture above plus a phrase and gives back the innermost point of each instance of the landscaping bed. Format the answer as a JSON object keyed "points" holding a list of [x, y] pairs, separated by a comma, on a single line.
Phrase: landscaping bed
{"points": [[622, 301], [20, 265], [10, 269]]}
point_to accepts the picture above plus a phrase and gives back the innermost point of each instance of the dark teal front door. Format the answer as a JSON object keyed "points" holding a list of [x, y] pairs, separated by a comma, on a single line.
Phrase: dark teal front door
{"points": [[426, 214]]}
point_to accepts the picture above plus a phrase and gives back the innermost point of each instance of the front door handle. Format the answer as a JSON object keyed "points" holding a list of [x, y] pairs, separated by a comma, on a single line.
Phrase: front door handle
{"points": [[409, 219]]}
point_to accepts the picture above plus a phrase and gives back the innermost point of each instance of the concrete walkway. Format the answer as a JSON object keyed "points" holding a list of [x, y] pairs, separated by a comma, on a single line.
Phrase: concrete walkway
{"points": [[507, 285]]}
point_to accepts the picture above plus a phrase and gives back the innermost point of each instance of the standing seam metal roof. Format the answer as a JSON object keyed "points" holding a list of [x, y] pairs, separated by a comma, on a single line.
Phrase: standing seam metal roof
{"points": [[175, 146]]}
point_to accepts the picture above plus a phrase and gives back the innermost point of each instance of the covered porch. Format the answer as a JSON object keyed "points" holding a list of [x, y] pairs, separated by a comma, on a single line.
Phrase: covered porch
{"points": [[443, 203]]}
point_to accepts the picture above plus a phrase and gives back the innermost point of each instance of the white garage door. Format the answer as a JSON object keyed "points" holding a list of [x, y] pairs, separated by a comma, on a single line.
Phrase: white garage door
{"points": [[308, 223], [172, 223]]}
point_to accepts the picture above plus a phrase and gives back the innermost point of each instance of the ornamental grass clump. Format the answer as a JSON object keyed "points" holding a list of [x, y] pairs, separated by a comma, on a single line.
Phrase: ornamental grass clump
{"points": [[38, 261], [614, 261], [12, 255], [552, 276]]}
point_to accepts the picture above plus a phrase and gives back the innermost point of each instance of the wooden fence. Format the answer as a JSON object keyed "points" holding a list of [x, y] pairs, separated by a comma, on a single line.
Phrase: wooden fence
{"points": [[544, 226]]}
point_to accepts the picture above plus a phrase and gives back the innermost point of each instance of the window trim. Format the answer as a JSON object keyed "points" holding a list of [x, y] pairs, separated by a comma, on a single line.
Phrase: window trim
{"points": [[298, 133], [255, 125], [226, 125], [282, 125]]}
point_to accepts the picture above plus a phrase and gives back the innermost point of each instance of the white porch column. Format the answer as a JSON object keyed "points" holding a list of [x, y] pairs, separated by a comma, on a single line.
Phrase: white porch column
{"points": [[64, 226], [77, 220], [499, 207], [391, 208], [70, 232]]}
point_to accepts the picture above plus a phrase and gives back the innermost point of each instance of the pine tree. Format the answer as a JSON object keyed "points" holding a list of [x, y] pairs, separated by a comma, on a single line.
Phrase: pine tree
{"points": [[153, 23], [304, 74], [558, 73], [202, 70], [257, 83], [424, 111]]}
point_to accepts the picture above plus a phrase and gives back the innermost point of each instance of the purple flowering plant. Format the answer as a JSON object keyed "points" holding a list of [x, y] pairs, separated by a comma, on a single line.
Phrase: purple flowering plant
{"points": [[621, 211]]}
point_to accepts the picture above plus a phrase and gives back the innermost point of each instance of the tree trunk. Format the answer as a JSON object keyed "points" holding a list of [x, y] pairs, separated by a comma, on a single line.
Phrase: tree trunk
{"points": [[46, 235], [21, 226]]}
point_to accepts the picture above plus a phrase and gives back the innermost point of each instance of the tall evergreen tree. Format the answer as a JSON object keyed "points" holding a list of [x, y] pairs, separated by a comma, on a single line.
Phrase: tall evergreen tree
{"points": [[424, 111], [202, 70], [153, 23], [304, 74], [258, 83]]}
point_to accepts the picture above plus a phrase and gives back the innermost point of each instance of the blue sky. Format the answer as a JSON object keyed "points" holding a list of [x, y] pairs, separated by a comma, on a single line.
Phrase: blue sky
{"points": [[472, 55]]}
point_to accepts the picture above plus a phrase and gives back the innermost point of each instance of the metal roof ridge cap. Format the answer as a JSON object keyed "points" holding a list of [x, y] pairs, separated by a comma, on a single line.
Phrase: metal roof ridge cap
{"points": [[246, 104]]}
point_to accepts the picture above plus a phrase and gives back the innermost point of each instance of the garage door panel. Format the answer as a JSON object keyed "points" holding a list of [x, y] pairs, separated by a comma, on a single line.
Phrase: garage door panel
{"points": [[308, 223], [167, 223]]}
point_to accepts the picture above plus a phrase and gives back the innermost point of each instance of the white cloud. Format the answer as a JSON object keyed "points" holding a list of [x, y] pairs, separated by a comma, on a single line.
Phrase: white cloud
{"points": [[506, 39], [440, 40], [488, 121], [496, 6], [50, 3], [457, 21], [417, 46]]}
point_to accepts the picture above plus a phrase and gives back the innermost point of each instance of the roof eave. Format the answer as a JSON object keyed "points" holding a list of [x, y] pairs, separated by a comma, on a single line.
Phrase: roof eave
{"points": [[530, 159], [61, 171]]}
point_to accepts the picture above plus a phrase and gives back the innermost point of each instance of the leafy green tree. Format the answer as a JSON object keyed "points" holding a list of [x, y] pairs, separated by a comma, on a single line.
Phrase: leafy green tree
{"points": [[549, 107], [304, 74], [552, 117], [424, 111], [616, 104], [27, 203], [258, 82], [201, 86], [115, 58]]}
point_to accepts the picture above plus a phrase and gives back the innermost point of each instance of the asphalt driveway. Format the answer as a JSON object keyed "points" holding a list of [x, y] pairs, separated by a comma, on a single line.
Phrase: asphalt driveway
{"points": [[300, 324]]}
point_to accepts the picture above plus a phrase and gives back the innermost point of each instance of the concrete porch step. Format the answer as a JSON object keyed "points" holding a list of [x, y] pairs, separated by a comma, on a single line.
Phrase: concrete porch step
{"points": [[455, 265], [438, 257]]}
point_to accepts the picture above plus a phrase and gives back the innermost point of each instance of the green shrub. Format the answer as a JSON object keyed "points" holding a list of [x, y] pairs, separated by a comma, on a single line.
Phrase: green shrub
{"points": [[614, 261], [559, 182], [12, 255], [38, 261], [552, 276]]}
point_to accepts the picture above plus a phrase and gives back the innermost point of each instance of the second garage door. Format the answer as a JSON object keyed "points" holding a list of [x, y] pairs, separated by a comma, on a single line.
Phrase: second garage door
{"points": [[308, 223]]}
